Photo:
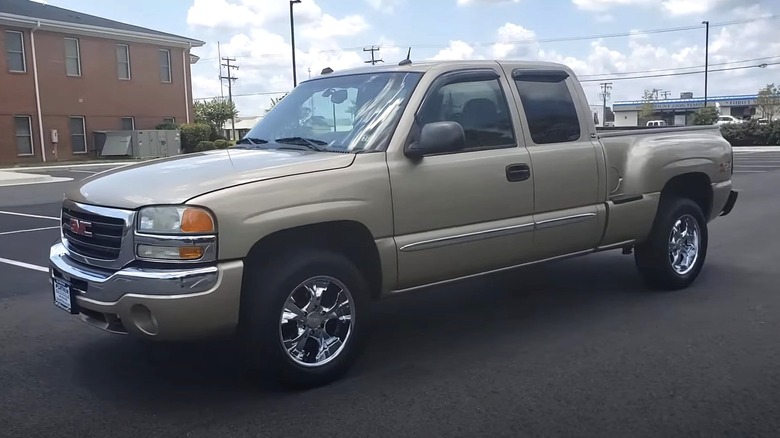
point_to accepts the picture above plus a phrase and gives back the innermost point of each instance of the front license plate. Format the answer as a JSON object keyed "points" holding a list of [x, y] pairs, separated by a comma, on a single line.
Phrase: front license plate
{"points": [[63, 298]]}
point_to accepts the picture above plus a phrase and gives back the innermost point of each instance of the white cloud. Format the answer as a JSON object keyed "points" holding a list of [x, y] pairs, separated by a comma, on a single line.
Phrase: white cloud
{"points": [[387, 6], [671, 7], [256, 33], [329, 26], [473, 2], [514, 41], [457, 50]]}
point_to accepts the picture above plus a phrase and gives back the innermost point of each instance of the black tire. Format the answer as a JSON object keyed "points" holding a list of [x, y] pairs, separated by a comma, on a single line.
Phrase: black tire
{"points": [[264, 293], [652, 256]]}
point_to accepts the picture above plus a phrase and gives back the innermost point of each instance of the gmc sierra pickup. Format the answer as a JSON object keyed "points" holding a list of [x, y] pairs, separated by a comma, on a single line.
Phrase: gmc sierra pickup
{"points": [[376, 181]]}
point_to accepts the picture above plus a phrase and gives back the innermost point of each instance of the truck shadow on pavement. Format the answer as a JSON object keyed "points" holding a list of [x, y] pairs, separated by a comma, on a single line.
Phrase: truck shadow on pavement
{"points": [[411, 335]]}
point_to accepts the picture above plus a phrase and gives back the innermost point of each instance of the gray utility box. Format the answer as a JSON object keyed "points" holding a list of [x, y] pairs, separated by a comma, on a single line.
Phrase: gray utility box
{"points": [[138, 144]]}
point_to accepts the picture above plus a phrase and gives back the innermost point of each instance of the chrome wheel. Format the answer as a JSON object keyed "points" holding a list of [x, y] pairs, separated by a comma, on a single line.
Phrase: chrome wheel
{"points": [[684, 243], [316, 321]]}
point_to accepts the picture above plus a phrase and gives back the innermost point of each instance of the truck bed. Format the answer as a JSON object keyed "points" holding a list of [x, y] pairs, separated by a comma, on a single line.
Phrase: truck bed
{"points": [[619, 131]]}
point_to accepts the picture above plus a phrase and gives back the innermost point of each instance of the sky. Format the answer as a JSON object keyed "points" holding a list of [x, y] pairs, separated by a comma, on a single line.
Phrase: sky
{"points": [[598, 39]]}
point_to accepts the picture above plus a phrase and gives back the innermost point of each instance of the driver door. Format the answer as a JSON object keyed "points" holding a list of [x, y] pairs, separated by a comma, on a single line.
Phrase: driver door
{"points": [[463, 212]]}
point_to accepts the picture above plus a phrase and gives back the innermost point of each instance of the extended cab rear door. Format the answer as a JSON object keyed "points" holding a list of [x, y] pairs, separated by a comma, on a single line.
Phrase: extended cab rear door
{"points": [[466, 211], [567, 162]]}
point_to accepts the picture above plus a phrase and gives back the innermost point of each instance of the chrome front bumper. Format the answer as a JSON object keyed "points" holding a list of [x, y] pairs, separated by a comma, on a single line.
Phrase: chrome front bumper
{"points": [[170, 304]]}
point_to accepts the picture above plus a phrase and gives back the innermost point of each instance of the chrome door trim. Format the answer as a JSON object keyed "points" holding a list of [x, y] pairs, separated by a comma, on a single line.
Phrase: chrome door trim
{"points": [[565, 220], [494, 271], [467, 237]]}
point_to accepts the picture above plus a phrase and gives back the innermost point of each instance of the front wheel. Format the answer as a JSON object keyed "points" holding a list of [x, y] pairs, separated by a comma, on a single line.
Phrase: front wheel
{"points": [[302, 317], [674, 253]]}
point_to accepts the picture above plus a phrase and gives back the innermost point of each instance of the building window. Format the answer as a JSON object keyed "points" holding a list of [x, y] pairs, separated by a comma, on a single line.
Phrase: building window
{"points": [[165, 65], [171, 120], [14, 48], [123, 61], [24, 145], [72, 57], [128, 124], [78, 136]]}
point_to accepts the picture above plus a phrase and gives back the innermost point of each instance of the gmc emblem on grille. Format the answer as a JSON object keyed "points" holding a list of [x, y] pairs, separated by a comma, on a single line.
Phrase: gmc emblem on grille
{"points": [[82, 228]]}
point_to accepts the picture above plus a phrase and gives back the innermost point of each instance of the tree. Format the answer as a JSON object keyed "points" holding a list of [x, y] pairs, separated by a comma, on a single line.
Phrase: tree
{"points": [[768, 101], [705, 116], [215, 112], [646, 111], [275, 101]]}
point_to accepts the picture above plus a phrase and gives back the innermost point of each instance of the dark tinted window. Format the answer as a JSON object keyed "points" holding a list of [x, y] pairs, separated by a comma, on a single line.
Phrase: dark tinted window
{"points": [[549, 108], [479, 106]]}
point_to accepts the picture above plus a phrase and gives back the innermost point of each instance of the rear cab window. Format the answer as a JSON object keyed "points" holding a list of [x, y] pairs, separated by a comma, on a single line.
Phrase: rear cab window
{"points": [[550, 110]]}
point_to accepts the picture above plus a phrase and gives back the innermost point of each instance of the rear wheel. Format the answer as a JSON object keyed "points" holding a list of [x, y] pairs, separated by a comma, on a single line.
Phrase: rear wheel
{"points": [[674, 253], [302, 317]]}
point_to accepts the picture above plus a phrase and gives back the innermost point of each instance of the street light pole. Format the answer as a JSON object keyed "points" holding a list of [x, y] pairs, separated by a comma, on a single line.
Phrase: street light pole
{"points": [[706, 58], [292, 40]]}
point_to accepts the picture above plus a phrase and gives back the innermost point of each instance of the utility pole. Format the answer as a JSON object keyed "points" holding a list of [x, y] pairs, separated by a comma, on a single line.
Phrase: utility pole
{"points": [[706, 58], [219, 61], [605, 94], [292, 41], [372, 49], [230, 78]]}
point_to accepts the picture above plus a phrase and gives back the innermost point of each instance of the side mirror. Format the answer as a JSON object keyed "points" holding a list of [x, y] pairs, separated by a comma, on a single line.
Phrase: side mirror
{"points": [[437, 137]]}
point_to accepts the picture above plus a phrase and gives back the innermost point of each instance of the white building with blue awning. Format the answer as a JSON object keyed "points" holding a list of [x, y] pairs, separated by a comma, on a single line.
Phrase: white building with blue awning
{"points": [[680, 111]]}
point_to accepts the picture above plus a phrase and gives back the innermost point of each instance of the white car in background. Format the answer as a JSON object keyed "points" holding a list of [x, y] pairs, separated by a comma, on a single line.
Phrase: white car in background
{"points": [[727, 120]]}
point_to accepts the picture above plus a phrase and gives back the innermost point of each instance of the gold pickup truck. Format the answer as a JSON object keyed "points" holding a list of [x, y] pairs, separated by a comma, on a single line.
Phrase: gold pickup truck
{"points": [[377, 181]]}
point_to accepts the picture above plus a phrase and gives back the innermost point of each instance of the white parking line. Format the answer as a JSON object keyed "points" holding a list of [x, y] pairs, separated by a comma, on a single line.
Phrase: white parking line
{"points": [[12, 213], [83, 171], [4, 233], [24, 265]]}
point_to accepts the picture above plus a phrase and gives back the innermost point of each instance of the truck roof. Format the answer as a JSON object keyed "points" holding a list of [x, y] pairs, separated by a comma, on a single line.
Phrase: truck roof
{"points": [[424, 66]]}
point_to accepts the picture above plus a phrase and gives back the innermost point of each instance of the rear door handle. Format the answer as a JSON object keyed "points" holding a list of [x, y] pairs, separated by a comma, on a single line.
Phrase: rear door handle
{"points": [[518, 172]]}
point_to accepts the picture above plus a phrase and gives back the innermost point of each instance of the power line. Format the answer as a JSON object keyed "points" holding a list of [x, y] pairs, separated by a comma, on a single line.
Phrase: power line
{"points": [[543, 40], [678, 68], [601, 79], [685, 73]]}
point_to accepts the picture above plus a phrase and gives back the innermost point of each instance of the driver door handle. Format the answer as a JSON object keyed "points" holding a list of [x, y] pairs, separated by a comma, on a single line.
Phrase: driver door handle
{"points": [[518, 172]]}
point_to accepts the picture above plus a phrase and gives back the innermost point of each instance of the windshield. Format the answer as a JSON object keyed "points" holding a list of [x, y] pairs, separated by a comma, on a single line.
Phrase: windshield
{"points": [[342, 113]]}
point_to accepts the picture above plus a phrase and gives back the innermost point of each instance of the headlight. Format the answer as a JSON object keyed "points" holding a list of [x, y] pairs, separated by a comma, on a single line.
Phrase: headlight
{"points": [[176, 234], [175, 220]]}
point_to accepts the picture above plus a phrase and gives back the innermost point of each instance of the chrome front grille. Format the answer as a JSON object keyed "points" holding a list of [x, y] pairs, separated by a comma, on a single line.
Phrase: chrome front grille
{"points": [[98, 236], [92, 235]]}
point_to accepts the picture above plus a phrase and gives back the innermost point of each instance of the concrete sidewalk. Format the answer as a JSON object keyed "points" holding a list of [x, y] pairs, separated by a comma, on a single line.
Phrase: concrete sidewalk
{"points": [[19, 178], [59, 165]]}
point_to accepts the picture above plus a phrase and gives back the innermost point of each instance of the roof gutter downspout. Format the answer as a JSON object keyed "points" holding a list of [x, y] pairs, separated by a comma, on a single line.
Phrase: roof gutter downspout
{"points": [[37, 90], [184, 58]]}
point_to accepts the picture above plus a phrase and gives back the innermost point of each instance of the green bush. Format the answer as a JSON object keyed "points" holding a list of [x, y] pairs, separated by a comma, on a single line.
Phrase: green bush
{"points": [[206, 145], [167, 126], [192, 134], [222, 144], [751, 133]]}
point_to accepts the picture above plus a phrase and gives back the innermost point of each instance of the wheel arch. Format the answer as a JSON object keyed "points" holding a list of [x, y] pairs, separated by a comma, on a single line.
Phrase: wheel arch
{"points": [[347, 237]]}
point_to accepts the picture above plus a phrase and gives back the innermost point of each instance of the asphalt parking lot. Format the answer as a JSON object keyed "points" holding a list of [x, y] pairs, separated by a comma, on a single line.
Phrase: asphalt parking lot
{"points": [[572, 348]]}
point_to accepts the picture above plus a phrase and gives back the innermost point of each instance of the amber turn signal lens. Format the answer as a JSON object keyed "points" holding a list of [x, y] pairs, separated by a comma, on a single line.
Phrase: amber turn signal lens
{"points": [[194, 220], [190, 252]]}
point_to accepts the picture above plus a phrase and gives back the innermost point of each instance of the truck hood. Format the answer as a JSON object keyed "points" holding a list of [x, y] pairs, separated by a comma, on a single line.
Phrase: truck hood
{"points": [[174, 180]]}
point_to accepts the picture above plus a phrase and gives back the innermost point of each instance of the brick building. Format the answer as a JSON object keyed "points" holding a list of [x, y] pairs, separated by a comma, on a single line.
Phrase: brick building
{"points": [[72, 74]]}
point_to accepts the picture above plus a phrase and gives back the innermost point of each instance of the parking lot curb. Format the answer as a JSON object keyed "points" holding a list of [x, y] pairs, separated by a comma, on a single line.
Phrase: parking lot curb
{"points": [[68, 166]]}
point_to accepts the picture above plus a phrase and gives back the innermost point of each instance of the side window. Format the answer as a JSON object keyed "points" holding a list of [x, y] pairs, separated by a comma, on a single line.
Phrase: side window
{"points": [[480, 106], [549, 108]]}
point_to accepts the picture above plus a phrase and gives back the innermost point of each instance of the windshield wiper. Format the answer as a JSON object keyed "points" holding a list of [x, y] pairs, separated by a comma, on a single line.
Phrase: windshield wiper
{"points": [[251, 141], [313, 144]]}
